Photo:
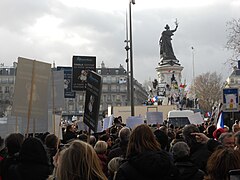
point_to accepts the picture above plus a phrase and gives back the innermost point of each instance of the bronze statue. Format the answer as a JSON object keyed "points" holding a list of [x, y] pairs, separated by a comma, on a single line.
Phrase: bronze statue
{"points": [[166, 49]]}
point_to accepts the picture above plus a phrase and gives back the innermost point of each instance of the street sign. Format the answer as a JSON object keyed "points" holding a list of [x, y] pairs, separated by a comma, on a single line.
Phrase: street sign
{"points": [[230, 99]]}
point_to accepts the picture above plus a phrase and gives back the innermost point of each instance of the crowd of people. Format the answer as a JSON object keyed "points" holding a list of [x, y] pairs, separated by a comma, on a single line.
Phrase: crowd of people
{"points": [[146, 152]]}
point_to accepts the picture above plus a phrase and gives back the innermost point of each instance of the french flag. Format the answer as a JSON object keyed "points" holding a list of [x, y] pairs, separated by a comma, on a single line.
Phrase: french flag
{"points": [[208, 114], [220, 123]]}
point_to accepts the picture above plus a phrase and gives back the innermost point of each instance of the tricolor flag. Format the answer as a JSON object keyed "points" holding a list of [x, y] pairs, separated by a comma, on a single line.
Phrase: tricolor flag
{"points": [[154, 99], [220, 123], [208, 114]]}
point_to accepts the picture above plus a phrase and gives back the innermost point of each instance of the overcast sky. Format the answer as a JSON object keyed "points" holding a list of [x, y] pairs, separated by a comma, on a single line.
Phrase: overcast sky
{"points": [[55, 30]]}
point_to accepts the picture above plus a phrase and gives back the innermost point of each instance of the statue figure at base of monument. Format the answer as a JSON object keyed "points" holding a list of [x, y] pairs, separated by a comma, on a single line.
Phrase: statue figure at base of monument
{"points": [[166, 49]]}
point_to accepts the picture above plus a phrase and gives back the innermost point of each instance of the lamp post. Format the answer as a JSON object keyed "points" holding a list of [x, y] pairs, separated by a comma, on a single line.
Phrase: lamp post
{"points": [[131, 56], [127, 48], [194, 91]]}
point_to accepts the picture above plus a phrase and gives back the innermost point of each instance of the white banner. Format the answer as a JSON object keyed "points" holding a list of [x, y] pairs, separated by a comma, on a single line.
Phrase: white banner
{"points": [[134, 121], [196, 118], [154, 117]]}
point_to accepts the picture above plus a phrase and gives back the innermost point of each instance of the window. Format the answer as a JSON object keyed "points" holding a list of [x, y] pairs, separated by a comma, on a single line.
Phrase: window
{"points": [[108, 97], [10, 80], [114, 79], [109, 87], [7, 71], [4, 80], [104, 79], [108, 79], [99, 71], [6, 89], [104, 98], [123, 88], [104, 88], [117, 71], [114, 88], [113, 98], [80, 97]]}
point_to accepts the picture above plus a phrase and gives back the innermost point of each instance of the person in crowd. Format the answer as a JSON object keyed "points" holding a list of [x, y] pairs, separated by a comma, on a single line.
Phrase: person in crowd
{"points": [[221, 162], [43, 136], [101, 150], [199, 152], [227, 140], [79, 161], [235, 126], [237, 140], [217, 133], [57, 160], [145, 159], [70, 134], [13, 144], [164, 129], [226, 128], [108, 139], [209, 131], [2, 154], [83, 137], [33, 162], [113, 167], [51, 143], [162, 138], [187, 170], [2, 149], [92, 140], [121, 148]]}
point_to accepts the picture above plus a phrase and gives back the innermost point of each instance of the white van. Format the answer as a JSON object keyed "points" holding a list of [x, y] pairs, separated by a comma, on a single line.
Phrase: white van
{"points": [[179, 118]]}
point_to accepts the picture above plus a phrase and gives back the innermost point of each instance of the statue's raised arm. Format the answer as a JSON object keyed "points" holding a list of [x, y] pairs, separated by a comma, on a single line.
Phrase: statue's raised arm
{"points": [[166, 49]]}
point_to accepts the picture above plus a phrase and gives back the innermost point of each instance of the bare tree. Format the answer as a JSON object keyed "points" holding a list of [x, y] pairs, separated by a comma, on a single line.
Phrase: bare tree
{"points": [[208, 89], [233, 42]]}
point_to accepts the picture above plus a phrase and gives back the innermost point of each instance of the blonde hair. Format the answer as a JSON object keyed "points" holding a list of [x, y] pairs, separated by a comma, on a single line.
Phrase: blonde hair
{"points": [[113, 166], [80, 161], [101, 147]]}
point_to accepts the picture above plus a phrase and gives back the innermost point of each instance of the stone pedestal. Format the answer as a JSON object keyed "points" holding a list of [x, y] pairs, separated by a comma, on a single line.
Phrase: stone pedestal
{"points": [[166, 71], [169, 79]]}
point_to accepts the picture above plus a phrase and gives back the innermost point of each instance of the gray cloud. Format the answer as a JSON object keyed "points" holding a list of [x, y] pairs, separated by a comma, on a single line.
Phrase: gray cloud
{"points": [[103, 33]]}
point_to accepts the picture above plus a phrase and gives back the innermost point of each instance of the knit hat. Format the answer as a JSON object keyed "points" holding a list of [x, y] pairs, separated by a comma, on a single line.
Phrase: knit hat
{"points": [[180, 150], [218, 132]]}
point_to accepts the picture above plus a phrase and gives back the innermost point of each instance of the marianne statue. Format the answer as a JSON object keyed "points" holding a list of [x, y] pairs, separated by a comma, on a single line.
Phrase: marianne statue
{"points": [[166, 49]]}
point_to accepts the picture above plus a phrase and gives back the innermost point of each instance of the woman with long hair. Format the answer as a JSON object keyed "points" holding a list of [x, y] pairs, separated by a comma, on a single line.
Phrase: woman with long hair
{"points": [[145, 159], [221, 162], [79, 161]]}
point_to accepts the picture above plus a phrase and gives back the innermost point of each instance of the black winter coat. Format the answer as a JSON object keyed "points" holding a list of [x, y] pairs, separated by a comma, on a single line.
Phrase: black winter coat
{"points": [[148, 166], [199, 155], [188, 171]]}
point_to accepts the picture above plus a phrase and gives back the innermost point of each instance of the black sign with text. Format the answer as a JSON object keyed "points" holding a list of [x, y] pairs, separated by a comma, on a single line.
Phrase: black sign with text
{"points": [[81, 66], [92, 100], [68, 93]]}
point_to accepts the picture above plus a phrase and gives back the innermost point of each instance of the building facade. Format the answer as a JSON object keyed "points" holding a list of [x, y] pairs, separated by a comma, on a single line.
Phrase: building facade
{"points": [[7, 80], [115, 91]]}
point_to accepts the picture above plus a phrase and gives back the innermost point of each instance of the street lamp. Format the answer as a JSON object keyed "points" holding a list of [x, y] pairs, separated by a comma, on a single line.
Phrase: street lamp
{"points": [[194, 91], [131, 56], [127, 48]]}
